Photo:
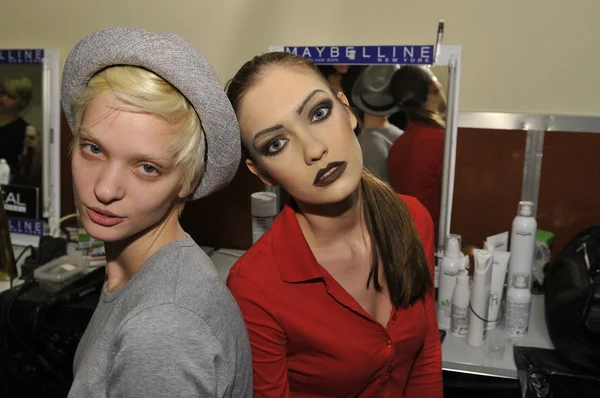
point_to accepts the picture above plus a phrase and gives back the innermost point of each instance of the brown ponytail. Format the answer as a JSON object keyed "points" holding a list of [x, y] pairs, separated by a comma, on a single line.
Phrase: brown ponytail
{"points": [[410, 88], [394, 239], [395, 243], [421, 115]]}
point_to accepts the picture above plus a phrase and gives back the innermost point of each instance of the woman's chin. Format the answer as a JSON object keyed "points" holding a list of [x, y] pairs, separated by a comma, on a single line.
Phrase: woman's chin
{"points": [[337, 192]]}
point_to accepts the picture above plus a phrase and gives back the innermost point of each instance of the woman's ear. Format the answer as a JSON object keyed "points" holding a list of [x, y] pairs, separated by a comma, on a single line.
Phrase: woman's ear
{"points": [[435, 86], [342, 97], [260, 174], [353, 120], [186, 191]]}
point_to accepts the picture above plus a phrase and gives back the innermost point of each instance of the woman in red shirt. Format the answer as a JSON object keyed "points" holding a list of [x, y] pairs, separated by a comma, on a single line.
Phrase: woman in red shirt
{"points": [[337, 296], [415, 160]]}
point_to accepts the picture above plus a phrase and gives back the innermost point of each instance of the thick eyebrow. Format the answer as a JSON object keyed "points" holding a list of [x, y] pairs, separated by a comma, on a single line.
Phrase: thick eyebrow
{"points": [[265, 132], [308, 98], [279, 126]]}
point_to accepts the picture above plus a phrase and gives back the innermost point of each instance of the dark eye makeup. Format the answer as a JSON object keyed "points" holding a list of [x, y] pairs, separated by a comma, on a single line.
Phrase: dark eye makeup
{"points": [[321, 111], [318, 113]]}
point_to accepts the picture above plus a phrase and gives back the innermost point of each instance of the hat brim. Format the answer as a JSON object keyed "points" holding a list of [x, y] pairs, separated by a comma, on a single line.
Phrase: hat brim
{"points": [[386, 109], [183, 66], [385, 106]]}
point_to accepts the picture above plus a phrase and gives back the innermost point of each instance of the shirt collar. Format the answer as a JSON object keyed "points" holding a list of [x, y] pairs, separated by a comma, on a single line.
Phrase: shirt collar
{"points": [[293, 255]]}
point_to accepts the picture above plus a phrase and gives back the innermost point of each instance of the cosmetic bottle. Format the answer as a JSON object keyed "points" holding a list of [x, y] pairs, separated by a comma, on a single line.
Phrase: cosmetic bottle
{"points": [[459, 319], [264, 210], [448, 272], [522, 245]]}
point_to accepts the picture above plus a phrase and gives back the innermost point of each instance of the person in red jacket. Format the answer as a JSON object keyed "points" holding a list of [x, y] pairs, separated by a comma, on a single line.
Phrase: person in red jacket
{"points": [[415, 160], [337, 296]]}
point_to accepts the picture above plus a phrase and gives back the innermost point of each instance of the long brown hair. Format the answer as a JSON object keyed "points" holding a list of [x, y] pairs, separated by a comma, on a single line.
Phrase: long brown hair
{"points": [[410, 88], [394, 238]]}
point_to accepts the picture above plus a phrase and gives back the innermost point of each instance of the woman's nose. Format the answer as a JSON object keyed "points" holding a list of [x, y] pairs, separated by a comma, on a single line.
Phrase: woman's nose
{"points": [[109, 186]]}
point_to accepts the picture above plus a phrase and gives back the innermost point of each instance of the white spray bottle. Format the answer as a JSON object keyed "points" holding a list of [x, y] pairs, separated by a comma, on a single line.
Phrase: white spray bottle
{"points": [[522, 245], [518, 306], [459, 323], [448, 272]]}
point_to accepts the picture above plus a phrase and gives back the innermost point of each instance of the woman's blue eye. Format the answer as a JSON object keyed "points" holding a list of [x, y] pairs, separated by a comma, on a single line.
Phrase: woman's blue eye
{"points": [[93, 149], [321, 112], [276, 146], [148, 169]]}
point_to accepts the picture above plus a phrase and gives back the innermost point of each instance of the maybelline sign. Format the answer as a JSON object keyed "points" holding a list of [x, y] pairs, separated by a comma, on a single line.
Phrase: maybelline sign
{"points": [[363, 55], [26, 227], [22, 57]]}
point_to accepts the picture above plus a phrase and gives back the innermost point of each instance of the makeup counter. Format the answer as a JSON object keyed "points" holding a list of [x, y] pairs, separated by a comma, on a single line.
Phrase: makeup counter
{"points": [[494, 359]]}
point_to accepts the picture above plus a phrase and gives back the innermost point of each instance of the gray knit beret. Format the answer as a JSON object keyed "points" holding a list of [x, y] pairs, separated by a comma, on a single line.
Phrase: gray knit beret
{"points": [[182, 65]]}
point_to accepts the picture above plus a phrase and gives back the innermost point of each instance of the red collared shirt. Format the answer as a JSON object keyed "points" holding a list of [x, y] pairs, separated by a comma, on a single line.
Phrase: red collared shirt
{"points": [[310, 338]]}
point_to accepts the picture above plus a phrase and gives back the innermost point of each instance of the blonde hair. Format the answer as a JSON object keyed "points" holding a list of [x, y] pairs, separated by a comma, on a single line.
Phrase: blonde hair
{"points": [[18, 87], [142, 91]]}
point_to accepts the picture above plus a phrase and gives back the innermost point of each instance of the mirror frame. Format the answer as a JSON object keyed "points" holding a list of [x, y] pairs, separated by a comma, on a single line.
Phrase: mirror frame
{"points": [[52, 111], [445, 55], [50, 188]]}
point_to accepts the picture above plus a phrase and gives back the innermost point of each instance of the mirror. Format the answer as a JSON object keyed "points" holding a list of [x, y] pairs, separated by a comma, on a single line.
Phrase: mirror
{"points": [[28, 102], [406, 106], [21, 123]]}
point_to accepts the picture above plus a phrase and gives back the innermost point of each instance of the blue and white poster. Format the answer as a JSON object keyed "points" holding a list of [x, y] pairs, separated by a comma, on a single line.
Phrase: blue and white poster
{"points": [[26, 227], [363, 55], [22, 57]]}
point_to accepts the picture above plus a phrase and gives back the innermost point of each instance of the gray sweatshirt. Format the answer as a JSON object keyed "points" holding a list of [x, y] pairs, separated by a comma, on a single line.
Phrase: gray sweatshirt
{"points": [[174, 330], [375, 144]]}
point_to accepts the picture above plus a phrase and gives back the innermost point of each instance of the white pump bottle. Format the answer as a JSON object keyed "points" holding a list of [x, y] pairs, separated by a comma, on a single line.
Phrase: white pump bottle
{"points": [[459, 323], [448, 272]]}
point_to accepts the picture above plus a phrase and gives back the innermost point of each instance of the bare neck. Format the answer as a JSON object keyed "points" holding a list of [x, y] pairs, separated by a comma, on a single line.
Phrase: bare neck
{"points": [[374, 121], [431, 107], [433, 104], [125, 258], [325, 225]]}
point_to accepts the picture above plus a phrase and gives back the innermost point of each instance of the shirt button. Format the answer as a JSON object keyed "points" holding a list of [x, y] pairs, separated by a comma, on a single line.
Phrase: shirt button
{"points": [[388, 344]]}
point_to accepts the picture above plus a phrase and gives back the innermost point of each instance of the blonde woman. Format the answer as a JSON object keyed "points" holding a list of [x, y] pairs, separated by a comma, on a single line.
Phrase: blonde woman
{"points": [[152, 129]]}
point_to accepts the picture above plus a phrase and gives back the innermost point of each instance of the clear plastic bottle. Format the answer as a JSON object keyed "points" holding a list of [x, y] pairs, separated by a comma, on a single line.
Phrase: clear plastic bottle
{"points": [[518, 306]]}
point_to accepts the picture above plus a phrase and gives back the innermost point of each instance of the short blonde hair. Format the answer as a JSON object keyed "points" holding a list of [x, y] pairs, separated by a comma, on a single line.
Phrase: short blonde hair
{"points": [[19, 87], [143, 91]]}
